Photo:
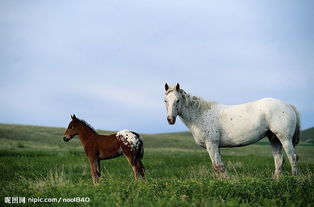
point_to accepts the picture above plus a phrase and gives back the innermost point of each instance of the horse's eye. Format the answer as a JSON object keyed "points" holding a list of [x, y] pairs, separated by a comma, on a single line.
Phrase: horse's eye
{"points": [[165, 101], [177, 101]]}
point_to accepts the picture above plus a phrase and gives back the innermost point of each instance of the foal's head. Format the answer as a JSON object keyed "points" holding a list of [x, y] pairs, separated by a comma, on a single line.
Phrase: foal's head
{"points": [[72, 129], [173, 100]]}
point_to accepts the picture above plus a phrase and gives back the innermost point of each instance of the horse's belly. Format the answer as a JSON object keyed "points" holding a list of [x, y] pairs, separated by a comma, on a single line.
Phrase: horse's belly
{"points": [[109, 153], [241, 125], [243, 131], [242, 138], [107, 156]]}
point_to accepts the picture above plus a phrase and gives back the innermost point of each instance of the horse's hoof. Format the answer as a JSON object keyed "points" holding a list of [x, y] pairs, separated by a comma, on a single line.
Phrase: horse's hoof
{"points": [[276, 176], [223, 176], [98, 174]]}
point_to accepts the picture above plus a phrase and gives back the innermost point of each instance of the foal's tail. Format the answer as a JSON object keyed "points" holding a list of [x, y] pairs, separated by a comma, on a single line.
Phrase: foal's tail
{"points": [[297, 132], [139, 156], [140, 152]]}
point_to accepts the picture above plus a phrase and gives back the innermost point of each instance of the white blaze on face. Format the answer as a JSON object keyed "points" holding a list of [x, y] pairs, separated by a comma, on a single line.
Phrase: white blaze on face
{"points": [[172, 104], [129, 138]]}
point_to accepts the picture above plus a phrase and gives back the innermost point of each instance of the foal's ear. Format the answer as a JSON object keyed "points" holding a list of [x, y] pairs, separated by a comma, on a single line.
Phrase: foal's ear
{"points": [[178, 87], [166, 87], [73, 117]]}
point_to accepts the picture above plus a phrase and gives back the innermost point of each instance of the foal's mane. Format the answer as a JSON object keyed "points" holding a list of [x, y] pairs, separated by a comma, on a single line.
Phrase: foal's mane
{"points": [[196, 102], [87, 124]]}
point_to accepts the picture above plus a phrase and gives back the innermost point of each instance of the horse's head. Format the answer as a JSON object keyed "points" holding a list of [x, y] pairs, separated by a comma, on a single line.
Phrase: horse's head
{"points": [[173, 100], [72, 129]]}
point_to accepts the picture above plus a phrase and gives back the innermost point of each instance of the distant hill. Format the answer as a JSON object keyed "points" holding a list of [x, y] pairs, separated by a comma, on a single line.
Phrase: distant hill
{"points": [[307, 136], [33, 136], [26, 136]]}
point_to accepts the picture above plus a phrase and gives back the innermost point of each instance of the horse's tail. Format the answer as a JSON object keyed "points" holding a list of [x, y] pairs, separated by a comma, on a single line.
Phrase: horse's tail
{"points": [[139, 156], [140, 150], [297, 132]]}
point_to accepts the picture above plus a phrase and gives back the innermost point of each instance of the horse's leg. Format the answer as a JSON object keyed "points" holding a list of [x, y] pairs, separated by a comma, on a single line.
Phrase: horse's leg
{"points": [[98, 167], [93, 168], [281, 124], [277, 153], [292, 156], [140, 168], [217, 162], [132, 163]]}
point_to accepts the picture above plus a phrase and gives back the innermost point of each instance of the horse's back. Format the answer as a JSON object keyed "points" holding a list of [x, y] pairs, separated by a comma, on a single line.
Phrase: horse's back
{"points": [[265, 106]]}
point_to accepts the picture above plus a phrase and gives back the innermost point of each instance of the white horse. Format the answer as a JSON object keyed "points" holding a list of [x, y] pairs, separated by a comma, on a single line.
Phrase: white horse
{"points": [[213, 125]]}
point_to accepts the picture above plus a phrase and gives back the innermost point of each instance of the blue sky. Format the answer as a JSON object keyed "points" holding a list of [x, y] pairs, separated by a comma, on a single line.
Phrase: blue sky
{"points": [[108, 61]]}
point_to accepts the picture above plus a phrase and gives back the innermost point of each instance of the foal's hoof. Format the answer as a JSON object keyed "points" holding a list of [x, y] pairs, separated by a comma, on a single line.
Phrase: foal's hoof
{"points": [[98, 174]]}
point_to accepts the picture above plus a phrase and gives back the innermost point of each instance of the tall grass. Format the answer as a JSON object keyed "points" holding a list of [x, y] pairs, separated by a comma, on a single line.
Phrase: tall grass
{"points": [[176, 175]]}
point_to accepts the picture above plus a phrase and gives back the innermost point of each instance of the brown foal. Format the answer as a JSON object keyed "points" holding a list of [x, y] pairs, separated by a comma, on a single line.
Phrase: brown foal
{"points": [[101, 147]]}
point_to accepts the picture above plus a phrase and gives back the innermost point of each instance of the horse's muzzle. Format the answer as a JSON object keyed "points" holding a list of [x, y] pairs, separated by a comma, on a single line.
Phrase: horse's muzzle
{"points": [[66, 139], [171, 120]]}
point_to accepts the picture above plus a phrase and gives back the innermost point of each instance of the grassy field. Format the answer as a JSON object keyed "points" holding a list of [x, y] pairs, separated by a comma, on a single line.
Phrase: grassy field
{"points": [[36, 163]]}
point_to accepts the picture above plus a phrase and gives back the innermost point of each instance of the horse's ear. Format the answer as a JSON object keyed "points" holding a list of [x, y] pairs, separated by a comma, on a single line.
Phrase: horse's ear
{"points": [[73, 117], [166, 87], [178, 87]]}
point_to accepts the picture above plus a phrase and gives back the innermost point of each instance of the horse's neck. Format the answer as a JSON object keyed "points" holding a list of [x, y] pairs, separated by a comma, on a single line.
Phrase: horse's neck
{"points": [[189, 115], [85, 133]]}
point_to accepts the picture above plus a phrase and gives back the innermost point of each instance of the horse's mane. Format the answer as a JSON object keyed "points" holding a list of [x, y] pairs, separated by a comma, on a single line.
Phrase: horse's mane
{"points": [[196, 102], [87, 124]]}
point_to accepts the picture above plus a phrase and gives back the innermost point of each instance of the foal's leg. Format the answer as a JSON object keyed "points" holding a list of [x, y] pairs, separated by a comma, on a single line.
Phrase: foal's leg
{"points": [[93, 168], [132, 163], [98, 167], [277, 153], [140, 168], [217, 162]]}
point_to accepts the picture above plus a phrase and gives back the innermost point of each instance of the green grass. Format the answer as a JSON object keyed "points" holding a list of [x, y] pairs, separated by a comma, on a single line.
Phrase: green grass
{"points": [[35, 162]]}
